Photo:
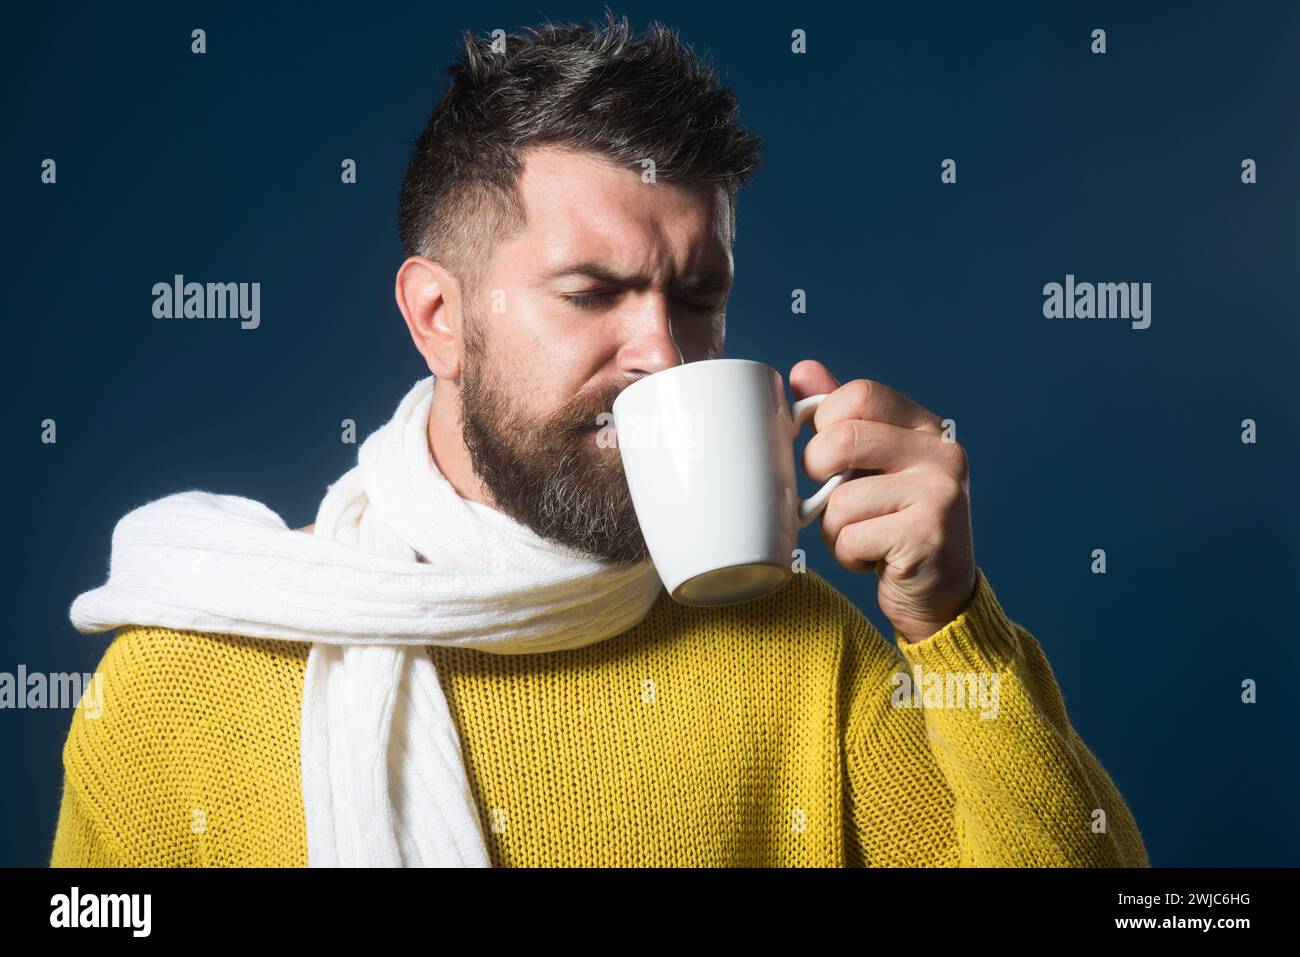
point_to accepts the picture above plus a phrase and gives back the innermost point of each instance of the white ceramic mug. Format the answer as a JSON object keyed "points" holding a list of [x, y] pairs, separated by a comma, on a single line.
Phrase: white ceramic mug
{"points": [[708, 451]]}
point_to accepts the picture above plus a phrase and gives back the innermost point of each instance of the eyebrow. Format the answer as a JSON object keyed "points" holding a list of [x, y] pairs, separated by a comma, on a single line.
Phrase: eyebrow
{"points": [[709, 281]]}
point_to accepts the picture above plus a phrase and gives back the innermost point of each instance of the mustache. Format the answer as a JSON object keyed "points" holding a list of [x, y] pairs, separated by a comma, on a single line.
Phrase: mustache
{"points": [[584, 412]]}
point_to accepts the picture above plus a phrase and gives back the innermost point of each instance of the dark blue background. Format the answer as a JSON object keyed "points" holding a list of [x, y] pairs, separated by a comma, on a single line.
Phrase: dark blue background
{"points": [[1083, 434]]}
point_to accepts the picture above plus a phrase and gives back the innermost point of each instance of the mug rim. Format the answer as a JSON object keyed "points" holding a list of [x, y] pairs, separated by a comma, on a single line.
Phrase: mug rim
{"points": [[685, 365]]}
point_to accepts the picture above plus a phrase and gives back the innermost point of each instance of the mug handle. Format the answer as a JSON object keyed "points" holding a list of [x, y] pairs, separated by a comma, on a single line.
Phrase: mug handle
{"points": [[801, 413]]}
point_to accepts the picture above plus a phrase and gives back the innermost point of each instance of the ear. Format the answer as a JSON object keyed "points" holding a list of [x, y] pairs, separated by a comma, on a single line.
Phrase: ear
{"points": [[429, 299]]}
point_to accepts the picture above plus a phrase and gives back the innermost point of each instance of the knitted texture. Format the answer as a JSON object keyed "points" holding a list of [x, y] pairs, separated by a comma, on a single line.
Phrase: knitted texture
{"points": [[761, 734], [383, 781]]}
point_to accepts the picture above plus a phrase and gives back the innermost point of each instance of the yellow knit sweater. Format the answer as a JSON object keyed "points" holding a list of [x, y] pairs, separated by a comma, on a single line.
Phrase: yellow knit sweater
{"points": [[769, 733]]}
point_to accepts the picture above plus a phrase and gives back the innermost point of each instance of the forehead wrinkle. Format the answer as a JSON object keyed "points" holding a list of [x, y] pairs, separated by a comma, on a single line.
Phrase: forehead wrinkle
{"points": [[618, 230]]}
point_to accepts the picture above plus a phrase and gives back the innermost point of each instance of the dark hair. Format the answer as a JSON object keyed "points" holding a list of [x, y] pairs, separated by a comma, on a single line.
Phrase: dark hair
{"points": [[589, 89]]}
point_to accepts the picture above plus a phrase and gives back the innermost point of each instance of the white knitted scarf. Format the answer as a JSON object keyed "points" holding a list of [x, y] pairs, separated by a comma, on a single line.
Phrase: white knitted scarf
{"points": [[383, 778]]}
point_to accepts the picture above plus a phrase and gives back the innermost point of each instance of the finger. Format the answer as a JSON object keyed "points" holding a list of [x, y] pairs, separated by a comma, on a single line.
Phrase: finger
{"points": [[870, 497], [868, 399], [862, 546], [859, 444], [810, 377]]}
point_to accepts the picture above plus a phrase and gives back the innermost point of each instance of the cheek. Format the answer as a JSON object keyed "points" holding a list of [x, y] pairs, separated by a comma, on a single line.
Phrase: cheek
{"points": [[540, 337], [549, 355]]}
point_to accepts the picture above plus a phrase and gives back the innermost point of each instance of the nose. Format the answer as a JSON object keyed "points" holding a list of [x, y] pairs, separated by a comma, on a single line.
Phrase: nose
{"points": [[650, 345]]}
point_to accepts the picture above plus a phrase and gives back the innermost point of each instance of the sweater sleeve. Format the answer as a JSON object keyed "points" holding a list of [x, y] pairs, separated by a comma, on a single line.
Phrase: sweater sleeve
{"points": [[976, 763], [77, 841], [121, 804]]}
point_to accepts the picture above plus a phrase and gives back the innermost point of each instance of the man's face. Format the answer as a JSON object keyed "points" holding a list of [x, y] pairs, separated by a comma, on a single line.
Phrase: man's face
{"points": [[611, 280]]}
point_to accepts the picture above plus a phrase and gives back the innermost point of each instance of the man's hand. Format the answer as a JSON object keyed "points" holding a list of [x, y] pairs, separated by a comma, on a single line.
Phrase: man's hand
{"points": [[909, 519]]}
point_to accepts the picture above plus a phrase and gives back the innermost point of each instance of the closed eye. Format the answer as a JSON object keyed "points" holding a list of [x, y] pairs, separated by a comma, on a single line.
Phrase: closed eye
{"points": [[591, 300]]}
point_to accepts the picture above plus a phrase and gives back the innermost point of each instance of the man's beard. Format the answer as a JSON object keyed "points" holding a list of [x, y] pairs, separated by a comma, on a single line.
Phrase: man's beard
{"points": [[548, 473]]}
